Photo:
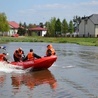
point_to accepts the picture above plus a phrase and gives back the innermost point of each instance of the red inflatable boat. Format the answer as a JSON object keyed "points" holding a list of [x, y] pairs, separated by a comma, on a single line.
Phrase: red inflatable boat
{"points": [[37, 64]]}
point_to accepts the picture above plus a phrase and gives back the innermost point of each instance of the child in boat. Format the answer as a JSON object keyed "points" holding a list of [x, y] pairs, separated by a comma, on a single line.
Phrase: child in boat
{"points": [[50, 50], [31, 55]]}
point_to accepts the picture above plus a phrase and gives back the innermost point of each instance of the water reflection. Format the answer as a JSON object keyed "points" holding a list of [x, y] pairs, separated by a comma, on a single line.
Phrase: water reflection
{"points": [[32, 79], [2, 79]]}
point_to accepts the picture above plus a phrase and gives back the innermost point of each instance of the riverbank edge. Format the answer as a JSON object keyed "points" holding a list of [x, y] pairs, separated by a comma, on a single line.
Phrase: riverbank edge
{"points": [[80, 41]]}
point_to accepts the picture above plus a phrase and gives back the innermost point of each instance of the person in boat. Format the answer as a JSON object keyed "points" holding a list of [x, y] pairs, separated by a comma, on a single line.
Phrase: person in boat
{"points": [[50, 50], [3, 57], [3, 47], [18, 55], [3, 54], [31, 55]]}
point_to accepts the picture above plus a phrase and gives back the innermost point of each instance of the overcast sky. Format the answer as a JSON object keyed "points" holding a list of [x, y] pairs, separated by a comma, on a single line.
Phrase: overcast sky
{"points": [[36, 11]]}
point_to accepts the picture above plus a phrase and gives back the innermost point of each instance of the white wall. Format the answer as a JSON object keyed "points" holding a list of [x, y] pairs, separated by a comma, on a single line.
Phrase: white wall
{"points": [[96, 30], [87, 28], [44, 33], [81, 28], [12, 31], [91, 28]]}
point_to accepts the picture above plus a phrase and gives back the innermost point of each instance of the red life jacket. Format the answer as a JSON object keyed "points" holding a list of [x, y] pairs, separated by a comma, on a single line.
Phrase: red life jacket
{"points": [[2, 57]]}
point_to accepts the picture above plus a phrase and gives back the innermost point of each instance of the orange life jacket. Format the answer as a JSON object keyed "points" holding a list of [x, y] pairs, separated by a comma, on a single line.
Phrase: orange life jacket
{"points": [[20, 52], [17, 54], [49, 47], [52, 51], [30, 56]]}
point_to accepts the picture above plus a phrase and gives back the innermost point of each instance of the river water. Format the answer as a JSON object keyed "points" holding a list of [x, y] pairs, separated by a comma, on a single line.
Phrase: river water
{"points": [[73, 75]]}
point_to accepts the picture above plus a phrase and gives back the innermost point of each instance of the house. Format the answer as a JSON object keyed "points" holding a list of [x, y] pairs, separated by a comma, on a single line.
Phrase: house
{"points": [[88, 26], [38, 30], [13, 28]]}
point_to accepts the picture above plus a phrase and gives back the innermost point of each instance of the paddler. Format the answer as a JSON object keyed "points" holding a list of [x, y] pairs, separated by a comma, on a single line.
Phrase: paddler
{"points": [[50, 50], [3, 57], [18, 55], [31, 55]]}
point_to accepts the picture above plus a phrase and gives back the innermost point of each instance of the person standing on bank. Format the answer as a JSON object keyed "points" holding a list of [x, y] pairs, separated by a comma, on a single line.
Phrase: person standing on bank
{"points": [[50, 50]]}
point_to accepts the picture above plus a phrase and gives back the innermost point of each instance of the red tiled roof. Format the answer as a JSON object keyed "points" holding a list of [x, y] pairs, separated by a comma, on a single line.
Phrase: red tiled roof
{"points": [[14, 24], [38, 29]]}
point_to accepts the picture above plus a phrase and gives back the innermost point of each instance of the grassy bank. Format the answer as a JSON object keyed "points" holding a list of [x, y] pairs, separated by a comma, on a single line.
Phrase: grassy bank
{"points": [[81, 41]]}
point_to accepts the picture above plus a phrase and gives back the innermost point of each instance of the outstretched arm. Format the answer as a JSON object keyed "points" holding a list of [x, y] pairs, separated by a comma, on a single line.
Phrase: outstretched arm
{"points": [[37, 56]]}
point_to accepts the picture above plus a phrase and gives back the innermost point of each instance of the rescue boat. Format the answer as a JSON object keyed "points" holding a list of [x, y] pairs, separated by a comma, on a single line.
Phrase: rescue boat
{"points": [[37, 64]]}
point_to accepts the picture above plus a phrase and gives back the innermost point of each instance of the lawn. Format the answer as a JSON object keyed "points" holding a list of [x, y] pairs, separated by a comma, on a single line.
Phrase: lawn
{"points": [[81, 41]]}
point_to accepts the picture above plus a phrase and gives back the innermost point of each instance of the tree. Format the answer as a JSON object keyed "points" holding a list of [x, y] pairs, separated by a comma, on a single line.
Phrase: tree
{"points": [[4, 26], [58, 27], [51, 27], [20, 29], [41, 24], [25, 28], [31, 25], [47, 24], [76, 22], [25, 25], [64, 27], [71, 27]]}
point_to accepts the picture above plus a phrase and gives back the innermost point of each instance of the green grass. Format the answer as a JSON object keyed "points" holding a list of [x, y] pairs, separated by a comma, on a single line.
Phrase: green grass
{"points": [[81, 41]]}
